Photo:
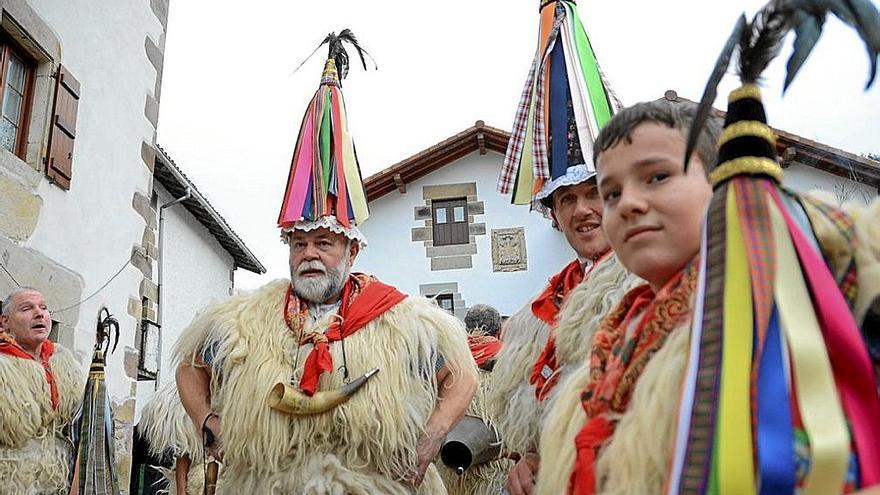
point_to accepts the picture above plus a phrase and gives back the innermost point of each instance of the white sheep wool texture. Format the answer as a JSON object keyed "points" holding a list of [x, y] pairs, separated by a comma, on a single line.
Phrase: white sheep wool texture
{"points": [[511, 402], [35, 448], [578, 321], [167, 429], [364, 446], [637, 458], [484, 479], [580, 316]]}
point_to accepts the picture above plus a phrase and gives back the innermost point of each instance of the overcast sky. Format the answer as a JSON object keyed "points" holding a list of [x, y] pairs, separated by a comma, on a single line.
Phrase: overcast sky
{"points": [[231, 109]]}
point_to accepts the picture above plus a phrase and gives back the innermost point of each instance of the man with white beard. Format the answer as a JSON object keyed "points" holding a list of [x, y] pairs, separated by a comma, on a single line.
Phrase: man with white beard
{"points": [[385, 436], [283, 380]]}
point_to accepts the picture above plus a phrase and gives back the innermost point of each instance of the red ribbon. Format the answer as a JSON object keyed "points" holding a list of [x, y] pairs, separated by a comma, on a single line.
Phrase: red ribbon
{"points": [[594, 434], [544, 381], [483, 347], [546, 305], [46, 351], [357, 309]]}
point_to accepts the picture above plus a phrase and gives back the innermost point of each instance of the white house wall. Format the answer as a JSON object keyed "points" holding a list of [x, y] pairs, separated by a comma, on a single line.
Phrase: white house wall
{"points": [[70, 243], [91, 228], [398, 260], [196, 270], [804, 178]]}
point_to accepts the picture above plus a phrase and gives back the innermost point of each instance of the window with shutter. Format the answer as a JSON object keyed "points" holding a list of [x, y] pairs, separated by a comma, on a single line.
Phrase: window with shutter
{"points": [[59, 166], [450, 221], [16, 86]]}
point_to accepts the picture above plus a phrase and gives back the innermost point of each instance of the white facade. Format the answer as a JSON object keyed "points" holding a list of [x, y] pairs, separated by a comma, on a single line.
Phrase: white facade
{"points": [[86, 247], [91, 228], [804, 178], [196, 269], [401, 262], [401, 253]]}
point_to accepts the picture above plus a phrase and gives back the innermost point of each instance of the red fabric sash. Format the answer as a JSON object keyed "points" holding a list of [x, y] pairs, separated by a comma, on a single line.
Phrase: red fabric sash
{"points": [[10, 348], [546, 305], [544, 376], [617, 361], [546, 308], [483, 348], [364, 298]]}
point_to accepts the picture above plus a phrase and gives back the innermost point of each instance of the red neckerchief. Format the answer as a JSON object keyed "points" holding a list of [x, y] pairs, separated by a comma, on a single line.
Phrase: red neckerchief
{"points": [[544, 376], [373, 298], [483, 348], [617, 361], [546, 306], [9, 347]]}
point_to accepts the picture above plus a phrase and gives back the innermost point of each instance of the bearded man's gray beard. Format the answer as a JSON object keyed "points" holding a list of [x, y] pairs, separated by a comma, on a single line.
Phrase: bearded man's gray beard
{"points": [[323, 288]]}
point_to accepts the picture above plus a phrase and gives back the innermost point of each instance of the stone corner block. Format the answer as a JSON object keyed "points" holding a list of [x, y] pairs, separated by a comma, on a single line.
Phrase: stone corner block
{"points": [[130, 362], [451, 263], [444, 191]]}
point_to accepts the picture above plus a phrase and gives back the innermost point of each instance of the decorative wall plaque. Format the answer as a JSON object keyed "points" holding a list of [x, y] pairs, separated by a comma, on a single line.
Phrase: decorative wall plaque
{"points": [[509, 250]]}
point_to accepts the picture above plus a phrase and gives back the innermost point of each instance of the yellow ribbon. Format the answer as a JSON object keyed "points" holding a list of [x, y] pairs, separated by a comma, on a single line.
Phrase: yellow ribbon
{"points": [[526, 177], [747, 128], [751, 165], [736, 472], [817, 398], [352, 176], [745, 91]]}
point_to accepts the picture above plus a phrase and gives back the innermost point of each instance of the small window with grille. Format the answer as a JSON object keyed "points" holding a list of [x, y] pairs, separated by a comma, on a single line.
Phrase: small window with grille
{"points": [[446, 302], [148, 348]]}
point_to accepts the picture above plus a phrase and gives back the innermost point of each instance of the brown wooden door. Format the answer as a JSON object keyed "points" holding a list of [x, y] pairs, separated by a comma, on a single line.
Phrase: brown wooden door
{"points": [[450, 222]]}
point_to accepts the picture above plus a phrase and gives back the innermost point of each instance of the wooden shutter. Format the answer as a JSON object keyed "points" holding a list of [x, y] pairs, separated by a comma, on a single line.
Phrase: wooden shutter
{"points": [[454, 229], [59, 167]]}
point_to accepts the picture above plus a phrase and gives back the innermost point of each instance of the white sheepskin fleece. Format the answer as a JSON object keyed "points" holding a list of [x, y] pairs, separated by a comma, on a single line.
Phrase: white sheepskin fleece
{"points": [[34, 451], [487, 478], [637, 458], [366, 445], [166, 427], [581, 314], [511, 401]]}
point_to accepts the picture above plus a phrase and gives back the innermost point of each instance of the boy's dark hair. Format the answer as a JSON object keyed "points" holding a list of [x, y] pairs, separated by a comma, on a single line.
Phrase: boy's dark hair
{"points": [[673, 113]]}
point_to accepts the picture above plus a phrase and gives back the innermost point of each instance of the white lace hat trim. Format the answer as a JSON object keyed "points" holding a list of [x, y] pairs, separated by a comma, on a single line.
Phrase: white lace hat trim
{"points": [[575, 174], [330, 223]]}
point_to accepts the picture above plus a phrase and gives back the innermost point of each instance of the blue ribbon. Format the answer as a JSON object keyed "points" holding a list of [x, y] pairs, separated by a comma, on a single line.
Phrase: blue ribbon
{"points": [[559, 96], [776, 456]]}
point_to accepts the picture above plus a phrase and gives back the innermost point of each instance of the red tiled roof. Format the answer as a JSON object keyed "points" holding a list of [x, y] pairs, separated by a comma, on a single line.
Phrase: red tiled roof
{"points": [[480, 137]]}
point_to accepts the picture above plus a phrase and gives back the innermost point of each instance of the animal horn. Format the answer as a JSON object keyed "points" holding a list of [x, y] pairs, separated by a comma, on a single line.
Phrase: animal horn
{"points": [[288, 399]]}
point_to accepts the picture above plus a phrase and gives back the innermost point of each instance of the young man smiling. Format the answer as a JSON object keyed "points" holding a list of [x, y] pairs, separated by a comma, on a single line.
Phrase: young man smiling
{"points": [[548, 338], [654, 213], [43, 386]]}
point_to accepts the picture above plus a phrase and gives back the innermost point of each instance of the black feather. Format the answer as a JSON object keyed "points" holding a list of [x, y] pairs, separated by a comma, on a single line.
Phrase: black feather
{"points": [[763, 40], [759, 42], [711, 91], [867, 23], [861, 15], [338, 52], [807, 28]]}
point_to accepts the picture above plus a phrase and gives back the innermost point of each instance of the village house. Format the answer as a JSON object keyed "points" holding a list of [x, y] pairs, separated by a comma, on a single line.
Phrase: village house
{"points": [[454, 237]]}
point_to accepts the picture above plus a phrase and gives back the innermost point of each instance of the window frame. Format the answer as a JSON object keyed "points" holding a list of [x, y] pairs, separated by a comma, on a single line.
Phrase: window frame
{"points": [[143, 373], [445, 297], [458, 230], [7, 46]]}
